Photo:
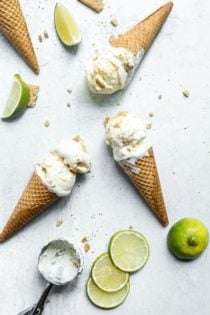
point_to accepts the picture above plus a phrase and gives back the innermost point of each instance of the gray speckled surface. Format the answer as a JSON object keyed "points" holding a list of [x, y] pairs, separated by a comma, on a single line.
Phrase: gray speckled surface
{"points": [[178, 60]]}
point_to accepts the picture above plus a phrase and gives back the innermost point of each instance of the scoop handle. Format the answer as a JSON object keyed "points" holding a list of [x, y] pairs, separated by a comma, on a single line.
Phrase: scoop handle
{"points": [[37, 309], [40, 305]]}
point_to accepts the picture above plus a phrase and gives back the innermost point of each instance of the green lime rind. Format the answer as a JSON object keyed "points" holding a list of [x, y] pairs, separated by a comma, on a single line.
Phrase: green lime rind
{"points": [[106, 300], [188, 238], [66, 27], [17, 106], [106, 275], [120, 263]]}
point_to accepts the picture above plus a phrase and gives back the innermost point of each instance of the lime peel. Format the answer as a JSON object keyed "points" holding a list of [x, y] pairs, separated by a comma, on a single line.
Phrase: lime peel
{"points": [[18, 99]]}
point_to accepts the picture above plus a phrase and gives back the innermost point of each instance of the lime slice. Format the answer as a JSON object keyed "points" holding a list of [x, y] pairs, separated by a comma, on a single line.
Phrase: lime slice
{"points": [[18, 98], [106, 276], [106, 299], [129, 250], [66, 27]]}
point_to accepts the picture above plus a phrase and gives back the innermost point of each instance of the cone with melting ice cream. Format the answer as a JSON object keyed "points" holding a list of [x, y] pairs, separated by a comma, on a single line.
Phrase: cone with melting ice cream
{"points": [[132, 149], [111, 68], [54, 177]]}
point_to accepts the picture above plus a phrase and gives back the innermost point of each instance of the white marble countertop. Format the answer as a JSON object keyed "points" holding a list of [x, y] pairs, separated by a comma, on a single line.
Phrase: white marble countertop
{"points": [[178, 60]]}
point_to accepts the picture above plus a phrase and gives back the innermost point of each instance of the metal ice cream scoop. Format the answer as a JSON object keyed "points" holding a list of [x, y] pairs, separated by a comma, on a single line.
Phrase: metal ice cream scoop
{"points": [[60, 263]]}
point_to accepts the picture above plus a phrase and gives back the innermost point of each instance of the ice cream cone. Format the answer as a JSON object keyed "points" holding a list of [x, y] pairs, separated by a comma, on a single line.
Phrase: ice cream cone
{"points": [[144, 176], [13, 26], [35, 198], [141, 36]]}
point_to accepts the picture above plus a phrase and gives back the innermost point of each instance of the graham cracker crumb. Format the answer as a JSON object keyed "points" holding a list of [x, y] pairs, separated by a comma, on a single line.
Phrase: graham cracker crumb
{"points": [[46, 35], [114, 22], [59, 222], [117, 125], [106, 120], [40, 38], [46, 123], [34, 90], [151, 114], [86, 247], [84, 239], [77, 138], [186, 93], [123, 114], [149, 126]]}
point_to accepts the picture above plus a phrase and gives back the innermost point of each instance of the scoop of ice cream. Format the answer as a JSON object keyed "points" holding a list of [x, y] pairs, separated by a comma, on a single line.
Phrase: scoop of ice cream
{"points": [[59, 167], [110, 69], [127, 135]]}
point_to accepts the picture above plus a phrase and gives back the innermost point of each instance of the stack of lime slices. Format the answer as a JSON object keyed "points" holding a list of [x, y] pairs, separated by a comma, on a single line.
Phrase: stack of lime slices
{"points": [[109, 285]]}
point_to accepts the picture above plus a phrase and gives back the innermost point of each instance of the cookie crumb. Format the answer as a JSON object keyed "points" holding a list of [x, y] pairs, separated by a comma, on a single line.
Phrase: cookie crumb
{"points": [[106, 120], [116, 125], [46, 123], [84, 239], [159, 97], [77, 138], [149, 126], [151, 114], [114, 22], [59, 222], [86, 247], [46, 35], [186, 93], [40, 38]]}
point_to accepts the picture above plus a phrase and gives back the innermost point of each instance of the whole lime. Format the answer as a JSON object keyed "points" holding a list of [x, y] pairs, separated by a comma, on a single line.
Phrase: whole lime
{"points": [[188, 238]]}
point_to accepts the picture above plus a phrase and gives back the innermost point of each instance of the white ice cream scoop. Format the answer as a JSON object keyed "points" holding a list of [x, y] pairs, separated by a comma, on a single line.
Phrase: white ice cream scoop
{"points": [[60, 263]]}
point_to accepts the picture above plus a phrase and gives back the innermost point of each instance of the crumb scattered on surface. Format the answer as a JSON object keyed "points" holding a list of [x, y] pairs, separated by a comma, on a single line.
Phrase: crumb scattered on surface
{"points": [[106, 120], [34, 91], [40, 38], [86, 247], [149, 126], [69, 91], [186, 93], [159, 97], [77, 138], [84, 239], [59, 222], [46, 35], [46, 123], [68, 104], [151, 114], [130, 227], [114, 22], [116, 125]]}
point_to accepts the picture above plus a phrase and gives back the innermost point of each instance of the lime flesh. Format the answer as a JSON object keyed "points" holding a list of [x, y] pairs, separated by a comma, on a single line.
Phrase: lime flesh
{"points": [[18, 99], [106, 276], [104, 299], [129, 250], [188, 238], [66, 27]]}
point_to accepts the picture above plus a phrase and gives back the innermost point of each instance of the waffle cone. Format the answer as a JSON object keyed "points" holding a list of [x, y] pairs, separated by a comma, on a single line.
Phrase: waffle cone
{"points": [[147, 182], [142, 35], [35, 198], [13, 26]]}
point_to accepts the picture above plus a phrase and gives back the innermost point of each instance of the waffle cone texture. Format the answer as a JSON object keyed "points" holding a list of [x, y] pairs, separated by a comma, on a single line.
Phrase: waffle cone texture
{"points": [[35, 198], [142, 35], [147, 183], [13, 26]]}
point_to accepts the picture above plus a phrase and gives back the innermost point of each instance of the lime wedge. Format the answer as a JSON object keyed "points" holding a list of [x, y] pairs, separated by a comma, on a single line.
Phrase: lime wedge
{"points": [[18, 99], [106, 299], [106, 276], [66, 27], [129, 250]]}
